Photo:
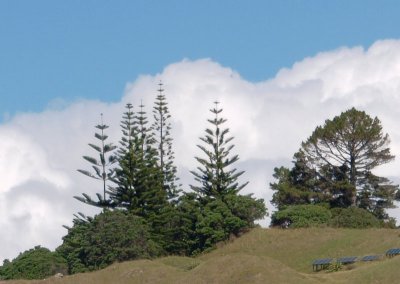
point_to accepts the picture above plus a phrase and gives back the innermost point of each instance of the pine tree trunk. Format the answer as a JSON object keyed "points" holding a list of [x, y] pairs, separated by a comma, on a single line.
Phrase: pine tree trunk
{"points": [[353, 180]]}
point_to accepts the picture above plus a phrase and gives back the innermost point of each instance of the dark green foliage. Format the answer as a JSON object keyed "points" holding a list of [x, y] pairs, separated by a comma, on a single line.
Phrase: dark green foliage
{"points": [[138, 179], [219, 219], [109, 237], [337, 187], [222, 212], [145, 188], [299, 216], [247, 208], [124, 194], [215, 178], [216, 223], [353, 217], [378, 193], [353, 143], [36, 263], [184, 236], [202, 226], [303, 184], [101, 167], [163, 141], [335, 166], [295, 186], [139, 183]]}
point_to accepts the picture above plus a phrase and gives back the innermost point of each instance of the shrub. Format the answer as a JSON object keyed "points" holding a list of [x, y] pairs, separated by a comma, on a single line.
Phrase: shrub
{"points": [[36, 263], [247, 208], [200, 226], [353, 217], [109, 237], [215, 224], [183, 239], [298, 216]]}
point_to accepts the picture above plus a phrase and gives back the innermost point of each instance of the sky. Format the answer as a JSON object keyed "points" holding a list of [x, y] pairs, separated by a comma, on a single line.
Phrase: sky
{"points": [[279, 69]]}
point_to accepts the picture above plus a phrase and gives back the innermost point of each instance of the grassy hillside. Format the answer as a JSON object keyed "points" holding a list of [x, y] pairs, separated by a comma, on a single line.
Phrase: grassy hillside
{"points": [[261, 256]]}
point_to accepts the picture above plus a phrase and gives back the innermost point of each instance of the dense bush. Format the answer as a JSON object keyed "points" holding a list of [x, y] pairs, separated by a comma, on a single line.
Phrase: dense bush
{"points": [[353, 217], [298, 216], [109, 237], [182, 236], [216, 223], [198, 227], [221, 219], [36, 263], [247, 208]]}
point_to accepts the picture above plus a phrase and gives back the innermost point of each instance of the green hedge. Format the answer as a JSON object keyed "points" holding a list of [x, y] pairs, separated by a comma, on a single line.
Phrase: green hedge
{"points": [[299, 216], [353, 217]]}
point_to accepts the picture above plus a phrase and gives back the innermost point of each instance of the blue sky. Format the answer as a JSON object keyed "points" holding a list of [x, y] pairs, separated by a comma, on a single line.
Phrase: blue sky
{"points": [[91, 49]]}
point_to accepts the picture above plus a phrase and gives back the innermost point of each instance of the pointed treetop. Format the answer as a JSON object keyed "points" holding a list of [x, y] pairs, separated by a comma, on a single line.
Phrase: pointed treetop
{"points": [[215, 175], [216, 110], [160, 90], [216, 121], [101, 126], [102, 166]]}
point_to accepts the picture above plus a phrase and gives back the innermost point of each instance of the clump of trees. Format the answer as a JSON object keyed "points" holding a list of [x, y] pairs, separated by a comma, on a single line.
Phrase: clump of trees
{"points": [[145, 211], [333, 168], [94, 243], [36, 263]]}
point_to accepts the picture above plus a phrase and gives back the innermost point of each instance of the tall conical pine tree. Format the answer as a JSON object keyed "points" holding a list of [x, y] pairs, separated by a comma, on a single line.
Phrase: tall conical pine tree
{"points": [[223, 211], [216, 177], [123, 193], [163, 141], [103, 167], [138, 178], [150, 183]]}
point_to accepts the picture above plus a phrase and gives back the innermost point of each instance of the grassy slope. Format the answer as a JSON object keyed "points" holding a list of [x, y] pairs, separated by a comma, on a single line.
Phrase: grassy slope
{"points": [[263, 255]]}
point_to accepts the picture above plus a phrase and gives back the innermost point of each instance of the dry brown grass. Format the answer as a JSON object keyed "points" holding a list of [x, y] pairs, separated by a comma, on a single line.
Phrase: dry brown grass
{"points": [[261, 256]]}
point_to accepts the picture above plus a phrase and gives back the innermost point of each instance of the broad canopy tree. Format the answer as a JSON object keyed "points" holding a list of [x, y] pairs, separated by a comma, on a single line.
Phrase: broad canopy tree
{"points": [[335, 164], [353, 142]]}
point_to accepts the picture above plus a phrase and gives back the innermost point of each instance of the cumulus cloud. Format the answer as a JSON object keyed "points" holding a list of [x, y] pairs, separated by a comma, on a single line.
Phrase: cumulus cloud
{"points": [[40, 152]]}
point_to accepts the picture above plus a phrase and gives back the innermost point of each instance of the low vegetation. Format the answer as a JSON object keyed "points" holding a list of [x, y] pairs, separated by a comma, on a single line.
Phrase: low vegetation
{"points": [[262, 256], [111, 236], [308, 215], [36, 263]]}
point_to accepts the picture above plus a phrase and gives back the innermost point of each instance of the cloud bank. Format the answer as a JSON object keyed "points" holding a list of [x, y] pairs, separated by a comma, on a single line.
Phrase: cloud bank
{"points": [[40, 152]]}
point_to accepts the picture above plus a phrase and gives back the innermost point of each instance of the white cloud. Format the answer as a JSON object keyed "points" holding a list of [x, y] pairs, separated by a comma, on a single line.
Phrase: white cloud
{"points": [[39, 153]]}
